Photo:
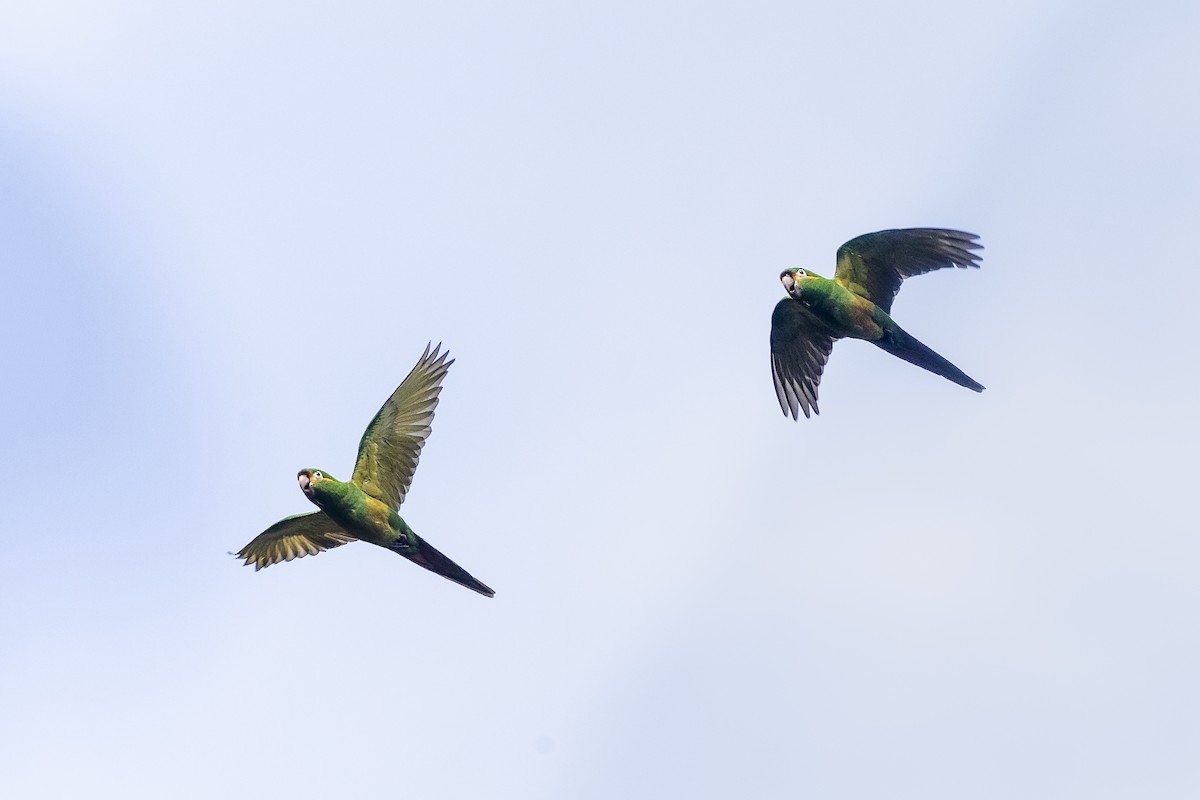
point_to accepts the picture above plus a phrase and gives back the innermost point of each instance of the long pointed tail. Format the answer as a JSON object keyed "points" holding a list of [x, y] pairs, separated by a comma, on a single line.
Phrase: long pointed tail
{"points": [[432, 559], [900, 343]]}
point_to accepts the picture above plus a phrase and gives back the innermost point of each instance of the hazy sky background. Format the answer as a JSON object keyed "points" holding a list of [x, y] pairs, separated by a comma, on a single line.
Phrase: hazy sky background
{"points": [[227, 231]]}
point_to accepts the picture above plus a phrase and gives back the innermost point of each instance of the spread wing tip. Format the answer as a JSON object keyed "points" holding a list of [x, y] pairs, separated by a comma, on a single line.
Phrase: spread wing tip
{"points": [[434, 356], [259, 561], [960, 247]]}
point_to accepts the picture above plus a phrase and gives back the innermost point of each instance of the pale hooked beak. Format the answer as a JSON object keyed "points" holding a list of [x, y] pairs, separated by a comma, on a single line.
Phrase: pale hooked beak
{"points": [[305, 484], [789, 282]]}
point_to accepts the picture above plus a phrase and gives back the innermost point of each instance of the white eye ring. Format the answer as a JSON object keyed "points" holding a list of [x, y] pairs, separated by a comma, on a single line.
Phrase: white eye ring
{"points": [[318, 475], [802, 273]]}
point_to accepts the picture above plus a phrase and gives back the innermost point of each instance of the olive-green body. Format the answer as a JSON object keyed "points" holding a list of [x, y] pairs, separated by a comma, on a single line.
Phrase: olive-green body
{"points": [[361, 515], [843, 312]]}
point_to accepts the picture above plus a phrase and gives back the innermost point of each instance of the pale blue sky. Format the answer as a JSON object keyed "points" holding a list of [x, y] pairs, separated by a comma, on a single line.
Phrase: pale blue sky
{"points": [[227, 231]]}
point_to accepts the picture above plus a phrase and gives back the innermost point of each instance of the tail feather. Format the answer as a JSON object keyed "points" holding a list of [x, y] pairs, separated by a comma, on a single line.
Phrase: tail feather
{"points": [[429, 557], [900, 343]]}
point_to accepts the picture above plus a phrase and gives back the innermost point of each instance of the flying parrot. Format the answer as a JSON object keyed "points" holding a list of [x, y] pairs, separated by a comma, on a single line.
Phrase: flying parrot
{"points": [[365, 508], [856, 304]]}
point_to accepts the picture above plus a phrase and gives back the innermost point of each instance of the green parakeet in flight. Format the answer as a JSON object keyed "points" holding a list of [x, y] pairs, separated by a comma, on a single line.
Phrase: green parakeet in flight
{"points": [[365, 508], [857, 304]]}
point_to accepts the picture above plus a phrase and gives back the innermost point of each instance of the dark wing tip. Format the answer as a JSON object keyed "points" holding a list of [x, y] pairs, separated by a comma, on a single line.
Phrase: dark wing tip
{"points": [[959, 246], [438, 356], [937, 248]]}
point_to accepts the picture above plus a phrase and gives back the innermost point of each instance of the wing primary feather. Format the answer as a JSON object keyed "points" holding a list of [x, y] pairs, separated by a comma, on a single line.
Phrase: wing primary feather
{"points": [[293, 537], [390, 449], [875, 264], [800, 346]]}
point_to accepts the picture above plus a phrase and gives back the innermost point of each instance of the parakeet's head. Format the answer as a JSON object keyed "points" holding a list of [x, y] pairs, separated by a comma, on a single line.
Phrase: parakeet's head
{"points": [[310, 480], [793, 280]]}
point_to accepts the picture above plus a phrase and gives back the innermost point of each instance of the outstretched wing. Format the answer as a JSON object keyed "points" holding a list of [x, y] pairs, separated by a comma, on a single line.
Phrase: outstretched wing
{"points": [[294, 537], [874, 264], [391, 446], [800, 345]]}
